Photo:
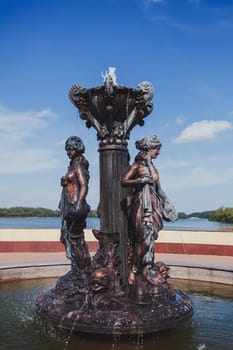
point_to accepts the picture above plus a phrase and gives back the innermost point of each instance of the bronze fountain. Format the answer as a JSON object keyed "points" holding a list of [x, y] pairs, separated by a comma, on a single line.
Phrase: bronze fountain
{"points": [[121, 289]]}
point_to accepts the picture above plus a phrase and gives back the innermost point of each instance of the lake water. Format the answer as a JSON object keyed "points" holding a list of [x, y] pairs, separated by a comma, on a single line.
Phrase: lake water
{"points": [[180, 224]]}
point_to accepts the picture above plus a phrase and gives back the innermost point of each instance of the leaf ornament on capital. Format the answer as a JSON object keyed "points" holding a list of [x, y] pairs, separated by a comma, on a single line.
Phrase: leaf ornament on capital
{"points": [[112, 109]]}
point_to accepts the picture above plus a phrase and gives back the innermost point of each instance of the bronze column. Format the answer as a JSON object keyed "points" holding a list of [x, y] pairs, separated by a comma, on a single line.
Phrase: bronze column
{"points": [[113, 164]]}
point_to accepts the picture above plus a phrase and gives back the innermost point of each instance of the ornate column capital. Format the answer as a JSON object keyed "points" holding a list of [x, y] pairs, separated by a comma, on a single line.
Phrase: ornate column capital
{"points": [[113, 110]]}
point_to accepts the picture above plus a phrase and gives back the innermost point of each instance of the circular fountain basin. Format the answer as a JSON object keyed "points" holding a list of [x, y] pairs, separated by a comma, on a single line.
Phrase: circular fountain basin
{"points": [[132, 318], [209, 328]]}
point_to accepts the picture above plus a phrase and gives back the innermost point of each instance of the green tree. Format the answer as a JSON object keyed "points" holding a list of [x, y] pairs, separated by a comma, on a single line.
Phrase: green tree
{"points": [[182, 215], [222, 215], [34, 212], [28, 212]]}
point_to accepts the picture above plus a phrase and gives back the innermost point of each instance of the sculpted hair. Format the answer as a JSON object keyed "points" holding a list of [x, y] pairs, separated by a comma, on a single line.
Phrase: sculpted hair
{"points": [[76, 143], [148, 142]]}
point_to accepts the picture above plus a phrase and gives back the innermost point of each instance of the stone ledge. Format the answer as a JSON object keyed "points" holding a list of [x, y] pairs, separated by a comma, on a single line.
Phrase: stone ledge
{"points": [[8, 274], [12, 272]]}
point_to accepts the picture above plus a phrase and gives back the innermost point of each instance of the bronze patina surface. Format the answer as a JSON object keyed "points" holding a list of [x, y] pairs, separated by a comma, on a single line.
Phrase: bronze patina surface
{"points": [[122, 289]]}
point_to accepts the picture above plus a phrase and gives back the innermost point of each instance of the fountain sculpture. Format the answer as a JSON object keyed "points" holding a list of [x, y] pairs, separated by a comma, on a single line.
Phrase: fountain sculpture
{"points": [[121, 289]]}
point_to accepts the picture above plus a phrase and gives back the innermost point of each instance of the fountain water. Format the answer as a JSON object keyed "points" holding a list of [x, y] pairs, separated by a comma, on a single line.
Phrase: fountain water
{"points": [[210, 326], [120, 290]]}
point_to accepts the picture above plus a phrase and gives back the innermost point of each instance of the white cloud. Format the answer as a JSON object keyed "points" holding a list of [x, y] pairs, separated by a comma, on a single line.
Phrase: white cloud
{"points": [[203, 130], [19, 153], [153, 1], [156, 12], [16, 126], [199, 176], [27, 161]]}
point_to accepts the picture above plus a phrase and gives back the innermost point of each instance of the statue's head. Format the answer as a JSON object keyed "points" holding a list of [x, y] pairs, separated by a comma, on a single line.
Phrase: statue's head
{"points": [[148, 143], [75, 143]]}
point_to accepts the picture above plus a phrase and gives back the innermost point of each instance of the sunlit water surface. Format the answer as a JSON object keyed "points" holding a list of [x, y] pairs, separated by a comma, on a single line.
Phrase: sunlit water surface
{"points": [[210, 328]]}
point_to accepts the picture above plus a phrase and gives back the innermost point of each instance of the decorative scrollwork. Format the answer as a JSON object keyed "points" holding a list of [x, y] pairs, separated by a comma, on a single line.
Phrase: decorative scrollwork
{"points": [[102, 107]]}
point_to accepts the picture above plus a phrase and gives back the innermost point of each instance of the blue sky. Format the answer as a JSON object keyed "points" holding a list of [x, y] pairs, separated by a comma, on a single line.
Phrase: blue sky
{"points": [[184, 48]]}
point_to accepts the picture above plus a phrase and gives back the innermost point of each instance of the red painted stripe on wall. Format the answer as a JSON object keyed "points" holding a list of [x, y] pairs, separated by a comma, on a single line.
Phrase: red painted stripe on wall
{"points": [[196, 249], [37, 247], [165, 248]]}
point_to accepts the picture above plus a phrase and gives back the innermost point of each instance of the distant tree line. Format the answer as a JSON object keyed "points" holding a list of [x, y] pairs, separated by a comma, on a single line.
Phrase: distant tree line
{"points": [[200, 215], [28, 212], [223, 215], [34, 212], [93, 214]]}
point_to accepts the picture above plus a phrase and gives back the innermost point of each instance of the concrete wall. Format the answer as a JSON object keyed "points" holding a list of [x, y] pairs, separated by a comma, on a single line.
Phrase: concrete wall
{"points": [[169, 242]]}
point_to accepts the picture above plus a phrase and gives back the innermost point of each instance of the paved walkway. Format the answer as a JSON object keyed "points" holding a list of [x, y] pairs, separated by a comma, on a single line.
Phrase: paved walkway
{"points": [[33, 259]]}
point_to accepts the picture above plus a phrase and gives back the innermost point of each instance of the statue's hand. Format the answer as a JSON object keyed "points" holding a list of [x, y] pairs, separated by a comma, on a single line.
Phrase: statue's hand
{"points": [[147, 180], [63, 181]]}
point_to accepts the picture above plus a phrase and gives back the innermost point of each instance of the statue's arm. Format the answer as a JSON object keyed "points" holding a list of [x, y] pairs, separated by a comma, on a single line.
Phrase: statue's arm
{"points": [[129, 177], [132, 178], [83, 184], [162, 195]]}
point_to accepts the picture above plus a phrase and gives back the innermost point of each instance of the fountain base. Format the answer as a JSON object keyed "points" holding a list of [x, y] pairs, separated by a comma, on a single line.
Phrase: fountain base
{"points": [[72, 305]]}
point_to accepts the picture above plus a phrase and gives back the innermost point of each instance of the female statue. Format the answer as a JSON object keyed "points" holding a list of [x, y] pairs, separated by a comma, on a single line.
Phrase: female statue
{"points": [[147, 208], [73, 205]]}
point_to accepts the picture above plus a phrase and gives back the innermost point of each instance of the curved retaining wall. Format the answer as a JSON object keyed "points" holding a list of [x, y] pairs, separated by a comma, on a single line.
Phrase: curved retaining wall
{"points": [[185, 271], [193, 255], [169, 242]]}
